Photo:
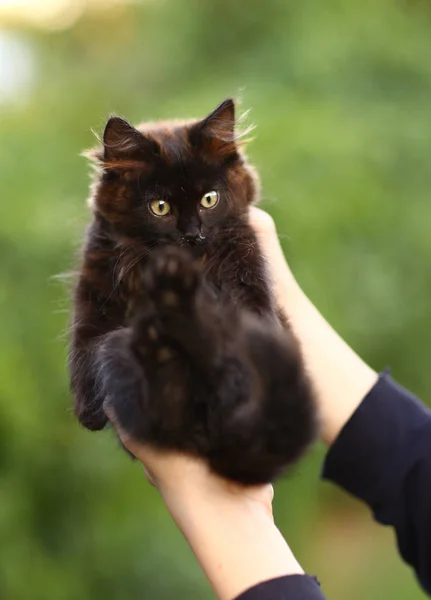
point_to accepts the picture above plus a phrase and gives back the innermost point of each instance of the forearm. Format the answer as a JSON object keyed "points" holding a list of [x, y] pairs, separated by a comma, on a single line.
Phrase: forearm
{"points": [[340, 377], [233, 537]]}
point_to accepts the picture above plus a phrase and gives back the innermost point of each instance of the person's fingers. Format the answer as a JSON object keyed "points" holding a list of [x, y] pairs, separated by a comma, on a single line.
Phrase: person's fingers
{"points": [[158, 464], [261, 221], [128, 442], [149, 477], [134, 447], [266, 493], [124, 437], [271, 492]]}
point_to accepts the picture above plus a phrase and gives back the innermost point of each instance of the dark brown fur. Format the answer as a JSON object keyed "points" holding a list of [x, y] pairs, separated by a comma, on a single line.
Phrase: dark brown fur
{"points": [[175, 326]]}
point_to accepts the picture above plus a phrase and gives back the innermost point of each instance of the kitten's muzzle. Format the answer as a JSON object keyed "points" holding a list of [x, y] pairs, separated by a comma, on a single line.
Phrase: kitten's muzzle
{"points": [[192, 238]]}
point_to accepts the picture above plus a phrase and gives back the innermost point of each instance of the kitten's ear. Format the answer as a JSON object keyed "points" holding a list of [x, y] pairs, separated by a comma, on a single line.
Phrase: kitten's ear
{"points": [[220, 124], [123, 143], [216, 133]]}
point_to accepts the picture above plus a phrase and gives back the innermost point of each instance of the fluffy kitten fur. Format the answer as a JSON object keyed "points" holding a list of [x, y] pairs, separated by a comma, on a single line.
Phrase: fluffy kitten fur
{"points": [[175, 326]]}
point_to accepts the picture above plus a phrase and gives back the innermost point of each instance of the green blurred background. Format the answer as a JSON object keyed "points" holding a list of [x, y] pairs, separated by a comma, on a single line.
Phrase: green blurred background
{"points": [[341, 92]]}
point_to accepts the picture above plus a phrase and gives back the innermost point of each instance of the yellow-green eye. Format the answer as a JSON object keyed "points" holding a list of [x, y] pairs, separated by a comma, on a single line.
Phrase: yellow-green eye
{"points": [[210, 199], [160, 208]]}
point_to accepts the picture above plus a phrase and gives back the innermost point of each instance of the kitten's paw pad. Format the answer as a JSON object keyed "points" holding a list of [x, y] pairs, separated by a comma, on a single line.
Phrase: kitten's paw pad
{"points": [[165, 354], [172, 279], [148, 340]]}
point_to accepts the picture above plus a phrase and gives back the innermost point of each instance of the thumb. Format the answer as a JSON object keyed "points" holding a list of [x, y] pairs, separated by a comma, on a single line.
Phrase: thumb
{"points": [[128, 442]]}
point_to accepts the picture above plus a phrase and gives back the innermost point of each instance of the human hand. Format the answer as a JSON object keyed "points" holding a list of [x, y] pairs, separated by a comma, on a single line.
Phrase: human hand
{"points": [[178, 475], [340, 377], [282, 280], [229, 527]]}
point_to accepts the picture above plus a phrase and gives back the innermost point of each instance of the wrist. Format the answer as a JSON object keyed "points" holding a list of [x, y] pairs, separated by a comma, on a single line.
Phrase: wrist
{"points": [[234, 538], [200, 492]]}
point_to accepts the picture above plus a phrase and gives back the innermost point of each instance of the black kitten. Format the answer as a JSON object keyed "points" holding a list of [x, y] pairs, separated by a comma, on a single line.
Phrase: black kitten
{"points": [[174, 324]]}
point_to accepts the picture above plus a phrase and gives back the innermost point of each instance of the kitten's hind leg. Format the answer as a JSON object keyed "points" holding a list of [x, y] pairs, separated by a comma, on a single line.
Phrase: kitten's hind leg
{"points": [[266, 416], [123, 384], [145, 383]]}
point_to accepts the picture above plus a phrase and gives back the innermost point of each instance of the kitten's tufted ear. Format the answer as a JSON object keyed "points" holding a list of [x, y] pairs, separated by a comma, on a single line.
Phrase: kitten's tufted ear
{"points": [[217, 131], [220, 124], [122, 143]]}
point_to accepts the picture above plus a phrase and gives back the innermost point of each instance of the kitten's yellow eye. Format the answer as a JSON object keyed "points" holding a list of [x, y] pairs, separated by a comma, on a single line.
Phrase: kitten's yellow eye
{"points": [[210, 199], [160, 208]]}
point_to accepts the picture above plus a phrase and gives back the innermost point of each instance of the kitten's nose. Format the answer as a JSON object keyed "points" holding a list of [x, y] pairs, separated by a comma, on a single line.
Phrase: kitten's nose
{"points": [[193, 235]]}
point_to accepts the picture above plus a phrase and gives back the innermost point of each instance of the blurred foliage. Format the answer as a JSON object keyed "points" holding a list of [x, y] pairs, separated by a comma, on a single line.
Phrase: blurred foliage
{"points": [[340, 92]]}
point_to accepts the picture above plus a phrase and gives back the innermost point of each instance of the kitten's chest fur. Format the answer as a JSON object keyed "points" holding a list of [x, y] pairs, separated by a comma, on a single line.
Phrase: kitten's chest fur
{"points": [[234, 271], [225, 273]]}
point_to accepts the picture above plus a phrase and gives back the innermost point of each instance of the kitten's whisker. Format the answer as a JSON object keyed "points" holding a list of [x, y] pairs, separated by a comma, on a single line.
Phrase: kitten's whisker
{"points": [[129, 268], [121, 255]]}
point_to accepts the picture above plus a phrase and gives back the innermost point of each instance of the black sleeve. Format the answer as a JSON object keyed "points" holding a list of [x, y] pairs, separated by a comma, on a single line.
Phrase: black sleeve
{"points": [[291, 587], [383, 457]]}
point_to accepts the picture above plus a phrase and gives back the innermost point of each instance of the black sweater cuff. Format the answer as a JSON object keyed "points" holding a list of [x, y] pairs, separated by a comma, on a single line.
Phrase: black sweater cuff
{"points": [[368, 457], [290, 587]]}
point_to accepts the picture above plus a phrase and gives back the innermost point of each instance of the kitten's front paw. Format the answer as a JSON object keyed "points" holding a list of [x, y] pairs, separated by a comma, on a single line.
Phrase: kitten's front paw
{"points": [[148, 339], [172, 278]]}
